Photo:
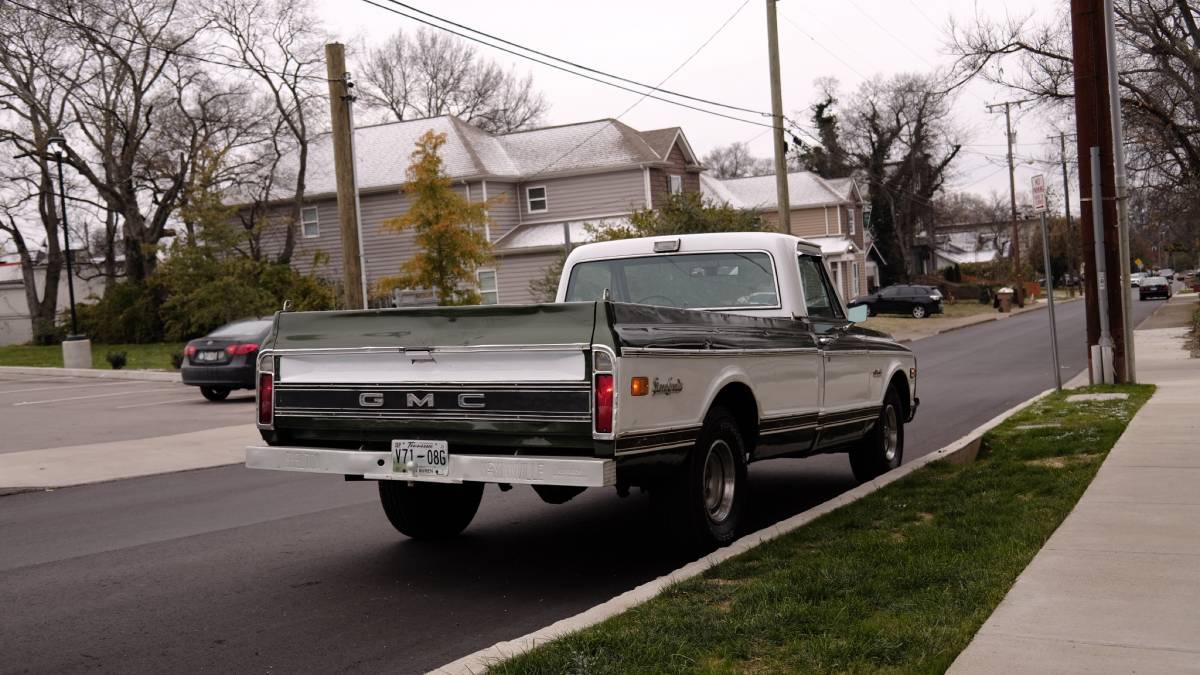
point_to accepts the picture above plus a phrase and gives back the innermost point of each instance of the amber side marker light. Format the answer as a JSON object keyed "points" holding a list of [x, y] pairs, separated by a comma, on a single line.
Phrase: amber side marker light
{"points": [[639, 386]]}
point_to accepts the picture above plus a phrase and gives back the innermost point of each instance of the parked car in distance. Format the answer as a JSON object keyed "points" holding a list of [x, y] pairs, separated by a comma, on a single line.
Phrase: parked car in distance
{"points": [[1154, 287], [1135, 278], [916, 301], [224, 359]]}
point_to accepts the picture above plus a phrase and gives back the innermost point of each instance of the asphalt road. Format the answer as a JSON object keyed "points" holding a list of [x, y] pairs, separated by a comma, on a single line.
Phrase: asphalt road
{"points": [[236, 570]]}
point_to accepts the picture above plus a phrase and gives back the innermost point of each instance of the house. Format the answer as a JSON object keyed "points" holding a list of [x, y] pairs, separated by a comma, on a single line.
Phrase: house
{"points": [[960, 243], [548, 184], [825, 211], [15, 324]]}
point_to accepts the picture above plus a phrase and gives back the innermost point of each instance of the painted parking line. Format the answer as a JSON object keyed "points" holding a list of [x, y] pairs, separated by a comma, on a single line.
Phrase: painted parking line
{"points": [[81, 398], [190, 399], [65, 385]]}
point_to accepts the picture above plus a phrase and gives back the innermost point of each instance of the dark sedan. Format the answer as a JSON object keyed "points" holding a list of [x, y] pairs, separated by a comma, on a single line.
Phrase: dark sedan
{"points": [[916, 301], [223, 360], [1154, 287]]}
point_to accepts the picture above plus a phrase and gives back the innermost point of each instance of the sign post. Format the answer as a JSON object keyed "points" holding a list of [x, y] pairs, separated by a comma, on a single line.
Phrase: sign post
{"points": [[1039, 205]]}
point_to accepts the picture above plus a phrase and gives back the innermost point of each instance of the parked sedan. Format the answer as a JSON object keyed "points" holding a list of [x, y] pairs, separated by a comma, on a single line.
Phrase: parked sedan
{"points": [[1135, 278], [917, 301], [1154, 287], [223, 360]]}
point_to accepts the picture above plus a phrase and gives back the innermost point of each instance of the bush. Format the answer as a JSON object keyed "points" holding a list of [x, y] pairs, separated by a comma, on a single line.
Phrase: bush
{"points": [[116, 359], [952, 273], [128, 313], [176, 360]]}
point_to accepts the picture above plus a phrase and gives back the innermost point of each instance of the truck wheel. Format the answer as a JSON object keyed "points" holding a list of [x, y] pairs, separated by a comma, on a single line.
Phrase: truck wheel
{"points": [[429, 510], [214, 393], [703, 504], [883, 447]]}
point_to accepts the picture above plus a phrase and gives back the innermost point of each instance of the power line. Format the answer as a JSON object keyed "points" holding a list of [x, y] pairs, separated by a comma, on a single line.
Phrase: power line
{"points": [[560, 60], [643, 97], [892, 35]]}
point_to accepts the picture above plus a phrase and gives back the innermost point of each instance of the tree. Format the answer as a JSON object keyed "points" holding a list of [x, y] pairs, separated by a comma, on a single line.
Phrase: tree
{"points": [[432, 74], [736, 161], [829, 159], [449, 230]]}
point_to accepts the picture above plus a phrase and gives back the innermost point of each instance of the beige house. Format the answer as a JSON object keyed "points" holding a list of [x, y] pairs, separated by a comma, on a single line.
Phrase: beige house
{"points": [[828, 212], [548, 183]]}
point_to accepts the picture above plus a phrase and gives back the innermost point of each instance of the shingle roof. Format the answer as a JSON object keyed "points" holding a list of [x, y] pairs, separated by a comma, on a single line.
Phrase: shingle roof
{"points": [[661, 140], [805, 189], [383, 152]]}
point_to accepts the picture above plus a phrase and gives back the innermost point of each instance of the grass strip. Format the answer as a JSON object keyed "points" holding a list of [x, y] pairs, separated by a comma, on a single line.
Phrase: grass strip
{"points": [[154, 356], [899, 581]]}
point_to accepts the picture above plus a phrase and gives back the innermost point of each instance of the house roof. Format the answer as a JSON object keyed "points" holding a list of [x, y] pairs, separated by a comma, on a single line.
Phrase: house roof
{"points": [[542, 235], [805, 189], [383, 150]]}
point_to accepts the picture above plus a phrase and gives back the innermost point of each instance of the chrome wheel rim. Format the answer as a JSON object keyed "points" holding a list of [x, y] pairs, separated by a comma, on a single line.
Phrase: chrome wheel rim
{"points": [[891, 434], [720, 477], [918, 311]]}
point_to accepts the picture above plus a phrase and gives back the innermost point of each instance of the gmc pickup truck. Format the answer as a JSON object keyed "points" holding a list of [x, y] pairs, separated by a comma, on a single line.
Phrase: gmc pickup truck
{"points": [[667, 363]]}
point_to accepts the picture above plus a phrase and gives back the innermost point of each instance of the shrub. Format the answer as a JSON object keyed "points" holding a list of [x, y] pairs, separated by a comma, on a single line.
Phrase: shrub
{"points": [[116, 359], [128, 313], [176, 360]]}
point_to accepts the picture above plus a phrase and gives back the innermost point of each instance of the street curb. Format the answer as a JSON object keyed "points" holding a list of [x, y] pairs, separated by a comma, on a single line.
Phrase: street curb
{"points": [[989, 319], [961, 451], [94, 373]]}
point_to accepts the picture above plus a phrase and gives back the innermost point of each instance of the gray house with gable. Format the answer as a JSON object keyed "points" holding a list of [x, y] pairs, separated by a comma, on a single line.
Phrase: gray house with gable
{"points": [[550, 183]]}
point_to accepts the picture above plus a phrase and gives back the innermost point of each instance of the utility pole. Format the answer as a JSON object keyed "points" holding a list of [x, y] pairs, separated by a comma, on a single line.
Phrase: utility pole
{"points": [[1012, 193], [343, 167], [781, 178], [1062, 156], [1121, 184], [1094, 131]]}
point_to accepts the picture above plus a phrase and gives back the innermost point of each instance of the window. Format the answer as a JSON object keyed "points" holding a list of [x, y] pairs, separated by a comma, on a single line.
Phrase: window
{"points": [[854, 280], [310, 224], [733, 280], [675, 184], [487, 287], [850, 219], [535, 199], [819, 298]]}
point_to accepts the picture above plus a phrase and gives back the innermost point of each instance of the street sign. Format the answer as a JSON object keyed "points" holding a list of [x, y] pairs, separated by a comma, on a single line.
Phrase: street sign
{"points": [[1039, 193]]}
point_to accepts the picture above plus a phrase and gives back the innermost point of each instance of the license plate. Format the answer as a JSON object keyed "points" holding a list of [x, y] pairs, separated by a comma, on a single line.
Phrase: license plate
{"points": [[421, 458], [209, 356]]}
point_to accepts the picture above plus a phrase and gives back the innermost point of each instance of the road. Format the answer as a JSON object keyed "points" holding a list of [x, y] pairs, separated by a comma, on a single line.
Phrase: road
{"points": [[235, 570]]}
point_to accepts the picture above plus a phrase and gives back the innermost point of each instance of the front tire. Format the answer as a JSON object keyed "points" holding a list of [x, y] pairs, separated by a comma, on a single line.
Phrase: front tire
{"points": [[429, 510], [919, 311], [703, 504], [214, 393], [882, 449]]}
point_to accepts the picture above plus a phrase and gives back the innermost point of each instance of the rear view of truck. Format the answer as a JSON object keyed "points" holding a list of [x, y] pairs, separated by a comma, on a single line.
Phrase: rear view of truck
{"points": [[435, 403]]}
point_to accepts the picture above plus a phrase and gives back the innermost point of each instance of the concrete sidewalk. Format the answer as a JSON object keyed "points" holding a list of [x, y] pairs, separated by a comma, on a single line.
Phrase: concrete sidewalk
{"points": [[1116, 589]]}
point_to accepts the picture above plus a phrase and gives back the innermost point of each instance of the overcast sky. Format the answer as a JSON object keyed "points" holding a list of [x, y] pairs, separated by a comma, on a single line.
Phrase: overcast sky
{"points": [[645, 40]]}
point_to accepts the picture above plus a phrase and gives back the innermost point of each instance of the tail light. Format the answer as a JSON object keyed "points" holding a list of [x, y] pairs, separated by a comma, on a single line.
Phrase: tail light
{"points": [[266, 398], [604, 403], [241, 349], [190, 350]]}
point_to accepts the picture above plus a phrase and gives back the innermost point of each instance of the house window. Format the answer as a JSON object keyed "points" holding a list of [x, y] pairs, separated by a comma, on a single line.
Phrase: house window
{"points": [[487, 287], [675, 184], [850, 219], [310, 224], [535, 199], [854, 280]]}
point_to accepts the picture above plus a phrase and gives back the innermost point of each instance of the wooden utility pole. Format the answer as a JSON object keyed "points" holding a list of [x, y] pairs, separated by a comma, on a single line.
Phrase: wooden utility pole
{"points": [[343, 168], [1093, 126], [1012, 194], [781, 177]]}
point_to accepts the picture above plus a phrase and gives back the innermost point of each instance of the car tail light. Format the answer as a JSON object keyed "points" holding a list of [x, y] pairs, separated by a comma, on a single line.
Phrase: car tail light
{"points": [[266, 397], [190, 350], [604, 403], [241, 349]]}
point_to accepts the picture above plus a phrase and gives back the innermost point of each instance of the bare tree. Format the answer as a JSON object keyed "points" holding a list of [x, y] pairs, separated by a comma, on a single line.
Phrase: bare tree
{"points": [[736, 161], [280, 43], [430, 74]]}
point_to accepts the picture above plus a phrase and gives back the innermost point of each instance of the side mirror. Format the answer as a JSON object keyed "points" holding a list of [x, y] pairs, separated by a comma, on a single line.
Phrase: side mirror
{"points": [[857, 314]]}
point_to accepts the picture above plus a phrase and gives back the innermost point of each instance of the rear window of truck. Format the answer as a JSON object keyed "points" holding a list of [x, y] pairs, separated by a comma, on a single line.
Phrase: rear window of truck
{"points": [[734, 280]]}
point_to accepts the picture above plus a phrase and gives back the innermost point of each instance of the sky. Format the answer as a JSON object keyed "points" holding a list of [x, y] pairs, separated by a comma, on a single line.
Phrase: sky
{"points": [[849, 40]]}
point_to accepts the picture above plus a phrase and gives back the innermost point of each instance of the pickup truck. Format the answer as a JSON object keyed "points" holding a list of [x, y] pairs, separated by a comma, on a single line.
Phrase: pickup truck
{"points": [[667, 363]]}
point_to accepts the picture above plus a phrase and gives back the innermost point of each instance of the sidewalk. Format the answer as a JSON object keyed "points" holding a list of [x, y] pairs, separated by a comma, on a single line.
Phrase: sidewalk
{"points": [[1117, 587]]}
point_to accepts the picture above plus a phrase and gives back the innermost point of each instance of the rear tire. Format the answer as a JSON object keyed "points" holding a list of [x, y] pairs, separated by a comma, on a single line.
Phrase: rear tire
{"points": [[214, 393], [702, 505], [919, 311], [882, 449], [429, 510]]}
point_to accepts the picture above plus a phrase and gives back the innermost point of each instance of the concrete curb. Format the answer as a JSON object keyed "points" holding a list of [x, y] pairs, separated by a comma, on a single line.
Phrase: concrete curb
{"points": [[961, 451], [989, 319], [94, 373]]}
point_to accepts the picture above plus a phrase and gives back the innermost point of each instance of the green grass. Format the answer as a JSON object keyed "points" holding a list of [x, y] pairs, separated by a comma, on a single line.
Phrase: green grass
{"points": [[899, 581], [155, 356]]}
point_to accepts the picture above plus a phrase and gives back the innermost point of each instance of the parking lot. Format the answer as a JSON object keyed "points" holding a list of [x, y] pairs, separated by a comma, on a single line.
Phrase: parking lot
{"points": [[39, 411]]}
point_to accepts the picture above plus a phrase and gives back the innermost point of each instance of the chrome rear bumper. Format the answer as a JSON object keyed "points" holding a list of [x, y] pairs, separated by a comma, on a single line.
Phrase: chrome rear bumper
{"points": [[568, 471]]}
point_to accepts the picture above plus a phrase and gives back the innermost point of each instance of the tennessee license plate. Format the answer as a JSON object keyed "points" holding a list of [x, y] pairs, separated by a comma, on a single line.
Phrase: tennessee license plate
{"points": [[421, 458]]}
